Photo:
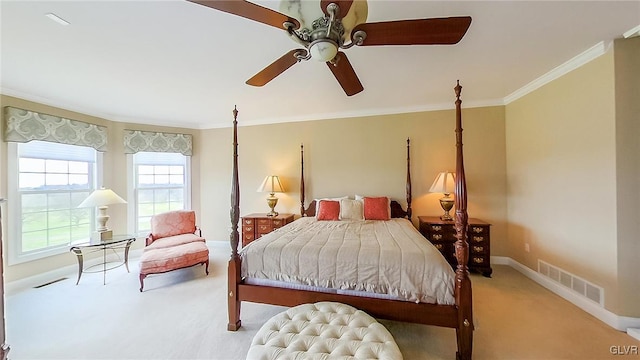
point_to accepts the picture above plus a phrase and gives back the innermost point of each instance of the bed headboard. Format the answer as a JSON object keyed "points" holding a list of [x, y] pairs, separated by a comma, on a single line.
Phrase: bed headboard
{"points": [[396, 209]]}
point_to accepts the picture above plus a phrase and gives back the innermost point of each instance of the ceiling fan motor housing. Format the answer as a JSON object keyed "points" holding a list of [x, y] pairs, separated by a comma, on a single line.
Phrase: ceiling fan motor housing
{"points": [[321, 36]]}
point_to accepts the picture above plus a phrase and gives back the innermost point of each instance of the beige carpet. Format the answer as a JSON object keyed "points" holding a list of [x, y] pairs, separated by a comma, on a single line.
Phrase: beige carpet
{"points": [[182, 315]]}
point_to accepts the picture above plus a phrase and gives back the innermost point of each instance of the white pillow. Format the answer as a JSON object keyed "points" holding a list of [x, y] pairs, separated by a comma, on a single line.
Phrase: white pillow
{"points": [[351, 209]]}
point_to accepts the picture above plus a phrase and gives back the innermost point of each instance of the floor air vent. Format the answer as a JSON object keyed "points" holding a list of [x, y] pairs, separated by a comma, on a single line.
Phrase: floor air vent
{"points": [[579, 285], [49, 283]]}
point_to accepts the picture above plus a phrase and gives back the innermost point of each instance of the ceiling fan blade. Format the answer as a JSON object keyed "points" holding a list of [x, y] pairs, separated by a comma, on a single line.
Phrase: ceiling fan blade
{"points": [[275, 68], [346, 76], [251, 11], [343, 5], [436, 31]]}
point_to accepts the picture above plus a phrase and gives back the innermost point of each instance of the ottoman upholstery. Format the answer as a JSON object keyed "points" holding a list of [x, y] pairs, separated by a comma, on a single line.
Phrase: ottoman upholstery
{"points": [[324, 330], [160, 260]]}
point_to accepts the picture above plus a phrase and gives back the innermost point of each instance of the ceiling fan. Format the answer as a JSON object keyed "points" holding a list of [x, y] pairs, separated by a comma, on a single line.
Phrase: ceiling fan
{"points": [[323, 28]]}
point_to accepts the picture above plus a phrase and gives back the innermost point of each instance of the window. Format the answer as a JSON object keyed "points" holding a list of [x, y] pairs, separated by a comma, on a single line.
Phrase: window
{"points": [[51, 180], [161, 183]]}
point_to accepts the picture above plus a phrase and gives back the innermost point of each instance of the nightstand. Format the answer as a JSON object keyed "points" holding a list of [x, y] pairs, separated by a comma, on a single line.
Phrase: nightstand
{"points": [[256, 225], [442, 235]]}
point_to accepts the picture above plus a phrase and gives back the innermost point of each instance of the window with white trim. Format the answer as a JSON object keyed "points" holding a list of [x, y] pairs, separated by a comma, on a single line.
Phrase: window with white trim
{"points": [[161, 183], [49, 181]]}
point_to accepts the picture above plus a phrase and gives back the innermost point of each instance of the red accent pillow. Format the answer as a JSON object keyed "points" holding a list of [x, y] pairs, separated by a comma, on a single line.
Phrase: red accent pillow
{"points": [[376, 208], [328, 210]]}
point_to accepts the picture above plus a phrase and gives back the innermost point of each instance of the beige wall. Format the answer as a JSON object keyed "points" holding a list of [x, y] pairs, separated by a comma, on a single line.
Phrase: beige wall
{"points": [[365, 156], [563, 150], [115, 165], [627, 106]]}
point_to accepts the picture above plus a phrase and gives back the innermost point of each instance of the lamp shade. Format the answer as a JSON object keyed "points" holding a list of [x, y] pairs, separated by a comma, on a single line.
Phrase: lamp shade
{"points": [[102, 197], [444, 183], [271, 184]]}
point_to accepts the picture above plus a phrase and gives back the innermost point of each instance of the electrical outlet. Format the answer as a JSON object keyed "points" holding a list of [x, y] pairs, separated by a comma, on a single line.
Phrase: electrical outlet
{"points": [[526, 247]]}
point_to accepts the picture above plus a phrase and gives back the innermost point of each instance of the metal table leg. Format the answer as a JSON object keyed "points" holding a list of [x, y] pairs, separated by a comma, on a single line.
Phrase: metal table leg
{"points": [[78, 253]]}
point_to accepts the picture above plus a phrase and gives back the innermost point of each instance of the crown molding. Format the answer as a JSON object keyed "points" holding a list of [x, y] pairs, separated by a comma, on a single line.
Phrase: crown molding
{"points": [[570, 65]]}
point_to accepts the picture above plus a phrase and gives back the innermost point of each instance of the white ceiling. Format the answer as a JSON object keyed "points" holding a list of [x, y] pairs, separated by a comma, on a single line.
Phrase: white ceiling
{"points": [[181, 64]]}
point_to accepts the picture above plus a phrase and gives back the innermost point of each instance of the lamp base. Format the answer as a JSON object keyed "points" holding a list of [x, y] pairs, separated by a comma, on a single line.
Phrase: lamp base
{"points": [[447, 203], [102, 235], [272, 201]]}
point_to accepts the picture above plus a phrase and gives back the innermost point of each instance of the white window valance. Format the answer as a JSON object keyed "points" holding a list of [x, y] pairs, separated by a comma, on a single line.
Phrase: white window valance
{"points": [[24, 125], [151, 141]]}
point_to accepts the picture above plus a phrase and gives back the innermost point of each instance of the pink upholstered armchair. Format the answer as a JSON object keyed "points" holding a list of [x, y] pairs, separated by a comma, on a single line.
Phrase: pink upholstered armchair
{"points": [[175, 242], [174, 228]]}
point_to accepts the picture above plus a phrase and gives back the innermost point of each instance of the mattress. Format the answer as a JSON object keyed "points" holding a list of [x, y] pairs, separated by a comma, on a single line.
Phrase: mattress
{"points": [[388, 259]]}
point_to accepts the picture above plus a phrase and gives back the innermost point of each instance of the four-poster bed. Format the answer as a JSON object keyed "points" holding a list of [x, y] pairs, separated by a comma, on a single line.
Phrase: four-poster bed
{"points": [[457, 314]]}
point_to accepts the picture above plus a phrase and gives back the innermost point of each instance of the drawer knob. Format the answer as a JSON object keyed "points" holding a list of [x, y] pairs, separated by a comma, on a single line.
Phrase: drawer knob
{"points": [[248, 228], [478, 260], [438, 246], [478, 238], [436, 228], [477, 230], [478, 248], [437, 237]]}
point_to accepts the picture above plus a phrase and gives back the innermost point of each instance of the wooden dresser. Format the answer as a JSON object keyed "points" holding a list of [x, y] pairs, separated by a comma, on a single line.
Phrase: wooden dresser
{"points": [[256, 225], [442, 235]]}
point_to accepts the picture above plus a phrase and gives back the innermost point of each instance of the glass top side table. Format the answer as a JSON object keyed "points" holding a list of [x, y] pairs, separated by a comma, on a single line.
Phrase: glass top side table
{"points": [[115, 243]]}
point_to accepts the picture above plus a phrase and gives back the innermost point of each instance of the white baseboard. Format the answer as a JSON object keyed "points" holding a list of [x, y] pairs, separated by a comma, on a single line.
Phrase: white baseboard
{"points": [[635, 333], [621, 323]]}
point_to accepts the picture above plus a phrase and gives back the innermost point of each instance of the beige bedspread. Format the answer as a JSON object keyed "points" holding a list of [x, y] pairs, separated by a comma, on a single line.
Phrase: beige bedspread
{"points": [[384, 257]]}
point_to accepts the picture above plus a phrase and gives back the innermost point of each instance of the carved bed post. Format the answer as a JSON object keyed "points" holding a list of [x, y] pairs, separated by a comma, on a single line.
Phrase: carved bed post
{"points": [[301, 179], [233, 271], [464, 331], [408, 188]]}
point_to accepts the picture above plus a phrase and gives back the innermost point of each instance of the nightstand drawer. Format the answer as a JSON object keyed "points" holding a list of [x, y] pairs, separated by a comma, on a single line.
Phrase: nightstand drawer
{"points": [[477, 239], [478, 249], [478, 260], [441, 237], [247, 221], [263, 229], [473, 229]]}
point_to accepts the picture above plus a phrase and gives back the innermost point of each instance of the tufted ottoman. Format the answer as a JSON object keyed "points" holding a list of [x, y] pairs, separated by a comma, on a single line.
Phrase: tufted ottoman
{"points": [[324, 330]]}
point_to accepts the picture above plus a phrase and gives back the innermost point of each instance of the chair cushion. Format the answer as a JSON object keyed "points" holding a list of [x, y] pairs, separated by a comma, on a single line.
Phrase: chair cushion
{"points": [[175, 257], [174, 241], [324, 330], [173, 223]]}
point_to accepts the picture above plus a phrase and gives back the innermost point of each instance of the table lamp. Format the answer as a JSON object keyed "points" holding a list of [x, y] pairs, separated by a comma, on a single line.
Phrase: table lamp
{"points": [[101, 198], [444, 183], [272, 185]]}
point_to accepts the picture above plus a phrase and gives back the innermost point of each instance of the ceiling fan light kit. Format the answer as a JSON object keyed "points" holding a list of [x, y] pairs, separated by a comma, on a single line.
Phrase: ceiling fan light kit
{"points": [[324, 28]]}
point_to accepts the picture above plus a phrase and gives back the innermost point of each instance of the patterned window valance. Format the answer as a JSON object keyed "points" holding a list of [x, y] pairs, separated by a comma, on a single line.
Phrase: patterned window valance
{"points": [[24, 125], [151, 141]]}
